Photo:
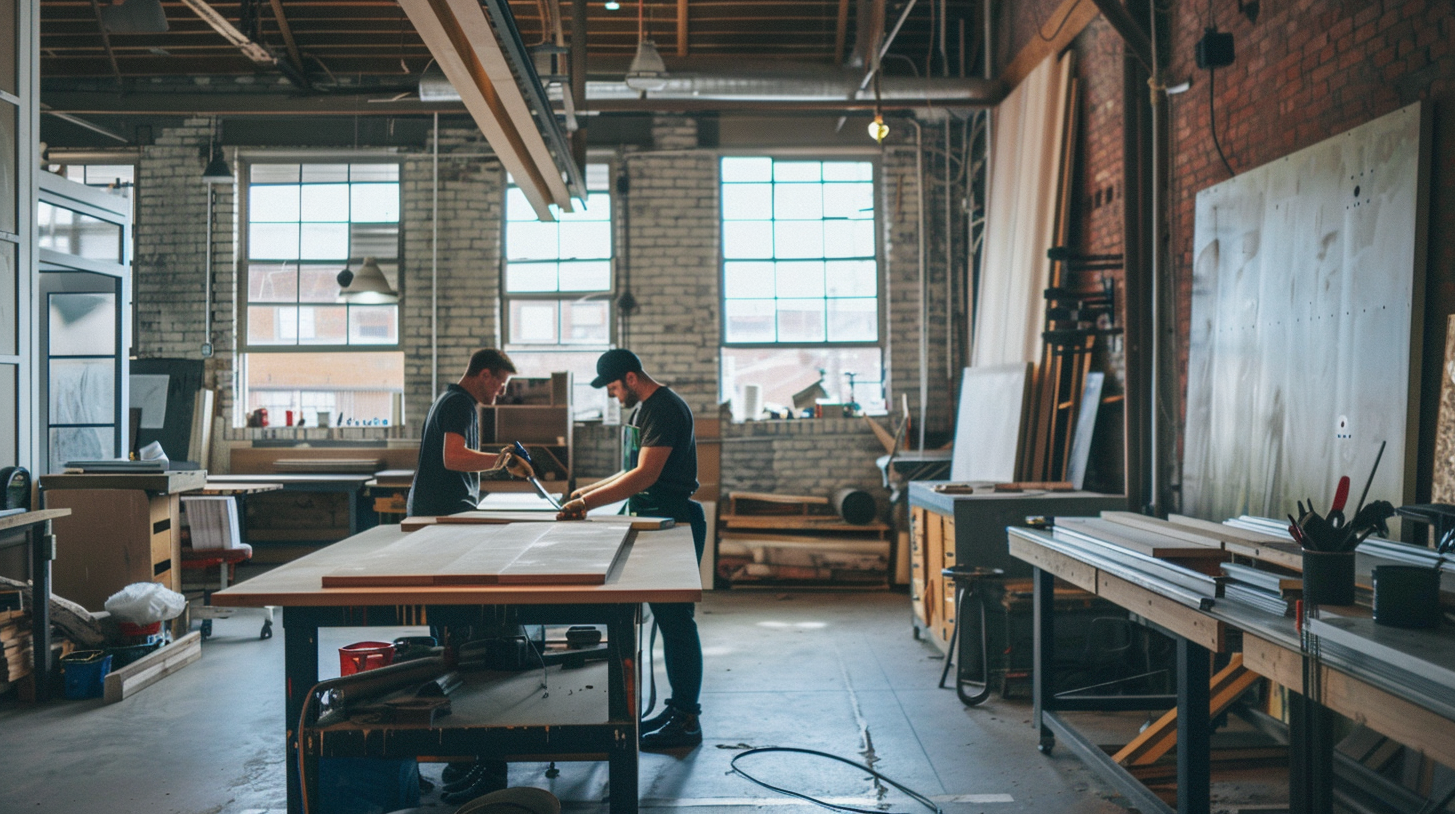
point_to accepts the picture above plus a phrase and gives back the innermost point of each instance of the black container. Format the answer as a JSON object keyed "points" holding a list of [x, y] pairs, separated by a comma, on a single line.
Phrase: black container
{"points": [[1328, 577], [1406, 595]]}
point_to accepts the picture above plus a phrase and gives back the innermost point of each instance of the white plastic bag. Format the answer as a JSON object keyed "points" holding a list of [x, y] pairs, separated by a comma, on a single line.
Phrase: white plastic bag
{"points": [[142, 603]]}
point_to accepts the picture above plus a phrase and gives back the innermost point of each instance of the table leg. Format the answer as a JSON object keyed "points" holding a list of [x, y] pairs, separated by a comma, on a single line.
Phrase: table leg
{"points": [[1194, 729], [300, 670], [1311, 756], [621, 637], [1043, 654], [42, 551]]}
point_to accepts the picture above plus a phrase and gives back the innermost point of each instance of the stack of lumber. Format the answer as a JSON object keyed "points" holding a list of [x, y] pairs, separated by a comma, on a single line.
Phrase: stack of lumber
{"points": [[770, 538], [16, 656]]}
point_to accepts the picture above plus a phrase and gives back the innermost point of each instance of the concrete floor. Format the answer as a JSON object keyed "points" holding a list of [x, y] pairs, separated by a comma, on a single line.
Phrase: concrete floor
{"points": [[836, 672]]}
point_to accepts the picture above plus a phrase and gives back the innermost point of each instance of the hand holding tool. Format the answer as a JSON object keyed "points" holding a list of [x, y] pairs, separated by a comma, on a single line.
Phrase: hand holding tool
{"points": [[519, 449]]}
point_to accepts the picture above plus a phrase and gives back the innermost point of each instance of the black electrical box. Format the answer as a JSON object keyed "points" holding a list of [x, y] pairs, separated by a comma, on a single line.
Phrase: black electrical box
{"points": [[1215, 49]]}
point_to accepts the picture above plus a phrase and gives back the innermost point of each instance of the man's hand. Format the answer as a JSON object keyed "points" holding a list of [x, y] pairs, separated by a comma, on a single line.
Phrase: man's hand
{"points": [[574, 510], [516, 465], [578, 493]]}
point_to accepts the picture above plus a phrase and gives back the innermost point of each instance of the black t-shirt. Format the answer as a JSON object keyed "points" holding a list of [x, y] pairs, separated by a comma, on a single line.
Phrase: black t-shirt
{"points": [[664, 420], [437, 490]]}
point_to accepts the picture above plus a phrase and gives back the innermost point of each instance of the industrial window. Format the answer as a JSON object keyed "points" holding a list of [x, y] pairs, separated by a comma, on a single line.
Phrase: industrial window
{"points": [[558, 286], [800, 281], [305, 348]]}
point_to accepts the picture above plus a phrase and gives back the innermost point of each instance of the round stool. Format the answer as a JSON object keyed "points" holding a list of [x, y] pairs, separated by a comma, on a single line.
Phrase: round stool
{"points": [[970, 583]]}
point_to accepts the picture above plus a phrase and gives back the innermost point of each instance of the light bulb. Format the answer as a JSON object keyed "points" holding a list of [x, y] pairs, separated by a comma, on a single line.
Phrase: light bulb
{"points": [[612, 5], [878, 129]]}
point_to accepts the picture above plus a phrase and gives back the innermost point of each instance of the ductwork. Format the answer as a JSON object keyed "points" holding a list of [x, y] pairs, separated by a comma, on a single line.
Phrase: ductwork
{"points": [[776, 86]]}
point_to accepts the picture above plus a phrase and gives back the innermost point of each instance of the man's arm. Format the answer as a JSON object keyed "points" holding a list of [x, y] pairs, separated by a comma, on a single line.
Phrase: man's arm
{"points": [[460, 458], [601, 484], [627, 483]]}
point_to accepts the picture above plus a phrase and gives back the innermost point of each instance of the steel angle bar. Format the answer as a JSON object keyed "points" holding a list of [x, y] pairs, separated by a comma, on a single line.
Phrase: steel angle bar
{"points": [[1256, 577], [1411, 687], [1123, 570], [1202, 584], [1141, 797]]}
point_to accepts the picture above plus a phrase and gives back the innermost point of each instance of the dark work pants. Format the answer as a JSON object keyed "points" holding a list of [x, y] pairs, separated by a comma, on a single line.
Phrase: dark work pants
{"points": [[681, 648]]}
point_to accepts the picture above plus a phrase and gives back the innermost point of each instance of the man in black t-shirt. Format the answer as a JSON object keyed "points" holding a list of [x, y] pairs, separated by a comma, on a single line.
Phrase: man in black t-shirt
{"points": [[447, 476], [657, 479]]}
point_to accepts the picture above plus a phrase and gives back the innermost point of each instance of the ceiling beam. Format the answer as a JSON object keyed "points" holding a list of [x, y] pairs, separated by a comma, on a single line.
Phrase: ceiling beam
{"points": [[841, 33], [681, 28], [287, 32], [253, 51]]}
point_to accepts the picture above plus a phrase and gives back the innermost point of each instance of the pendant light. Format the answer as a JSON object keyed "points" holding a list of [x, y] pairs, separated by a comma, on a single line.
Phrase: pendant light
{"points": [[367, 286], [647, 71], [217, 171]]}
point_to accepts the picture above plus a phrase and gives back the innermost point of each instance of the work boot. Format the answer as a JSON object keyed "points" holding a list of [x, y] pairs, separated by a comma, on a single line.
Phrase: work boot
{"points": [[681, 729], [487, 776], [456, 771], [655, 722]]}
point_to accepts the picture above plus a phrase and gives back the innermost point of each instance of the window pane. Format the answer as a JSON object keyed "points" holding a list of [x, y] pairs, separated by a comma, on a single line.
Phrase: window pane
{"points": [[328, 203], [533, 321], [82, 391], [747, 239], [854, 201], [517, 206], [585, 322], [796, 170], [273, 282], [374, 202], [585, 239], [377, 240], [848, 171], [530, 277], [64, 230], [800, 320], [747, 201], [81, 444], [82, 324], [749, 321], [598, 177], [318, 283], [323, 325], [9, 132], [585, 276], [798, 238], [273, 174], [373, 324], [272, 324], [272, 203], [348, 385], [746, 280], [325, 173], [853, 320], [273, 241], [735, 170], [532, 240], [800, 280], [855, 278], [798, 201], [8, 308], [325, 241], [385, 171], [781, 372], [597, 207], [848, 238]]}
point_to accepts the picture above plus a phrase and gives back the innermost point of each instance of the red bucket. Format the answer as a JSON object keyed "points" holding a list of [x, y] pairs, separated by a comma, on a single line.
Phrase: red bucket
{"points": [[361, 656], [135, 631]]}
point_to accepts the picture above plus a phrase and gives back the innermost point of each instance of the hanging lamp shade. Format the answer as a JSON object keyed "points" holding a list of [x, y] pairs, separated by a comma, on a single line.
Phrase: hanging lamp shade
{"points": [[647, 71], [217, 171], [369, 286]]}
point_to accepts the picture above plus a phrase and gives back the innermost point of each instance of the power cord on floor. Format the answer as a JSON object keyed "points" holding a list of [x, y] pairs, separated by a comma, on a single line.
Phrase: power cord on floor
{"points": [[651, 668], [919, 798]]}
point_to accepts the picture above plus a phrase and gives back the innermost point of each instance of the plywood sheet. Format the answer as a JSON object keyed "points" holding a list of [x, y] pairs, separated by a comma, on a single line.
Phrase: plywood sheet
{"points": [[1306, 307], [1443, 485], [515, 554], [492, 517], [988, 428]]}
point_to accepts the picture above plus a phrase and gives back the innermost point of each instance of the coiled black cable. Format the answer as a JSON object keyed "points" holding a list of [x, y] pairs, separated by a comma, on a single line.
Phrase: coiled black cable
{"points": [[919, 798]]}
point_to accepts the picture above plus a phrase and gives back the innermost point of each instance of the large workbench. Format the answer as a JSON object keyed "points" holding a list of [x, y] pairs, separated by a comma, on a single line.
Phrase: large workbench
{"points": [[659, 566], [1386, 679]]}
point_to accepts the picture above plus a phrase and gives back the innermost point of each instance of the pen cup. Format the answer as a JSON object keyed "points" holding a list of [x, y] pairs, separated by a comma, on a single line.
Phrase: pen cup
{"points": [[1406, 596], [1328, 577]]}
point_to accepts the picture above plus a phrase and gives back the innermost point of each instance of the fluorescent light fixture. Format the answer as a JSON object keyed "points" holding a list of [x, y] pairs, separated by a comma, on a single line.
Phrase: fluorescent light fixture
{"points": [[647, 71]]}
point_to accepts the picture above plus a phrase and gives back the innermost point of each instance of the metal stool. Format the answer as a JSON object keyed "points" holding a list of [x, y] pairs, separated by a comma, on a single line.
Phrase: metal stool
{"points": [[968, 585]]}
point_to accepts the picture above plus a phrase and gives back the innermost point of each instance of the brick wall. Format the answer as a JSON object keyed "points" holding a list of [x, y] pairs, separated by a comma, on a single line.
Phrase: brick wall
{"points": [[805, 457]]}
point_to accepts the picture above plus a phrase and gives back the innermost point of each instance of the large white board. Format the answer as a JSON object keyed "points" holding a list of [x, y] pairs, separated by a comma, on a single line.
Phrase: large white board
{"points": [[991, 423], [1306, 321]]}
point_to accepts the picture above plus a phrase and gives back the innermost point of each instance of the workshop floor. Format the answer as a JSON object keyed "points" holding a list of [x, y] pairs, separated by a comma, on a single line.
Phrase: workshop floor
{"points": [[835, 672]]}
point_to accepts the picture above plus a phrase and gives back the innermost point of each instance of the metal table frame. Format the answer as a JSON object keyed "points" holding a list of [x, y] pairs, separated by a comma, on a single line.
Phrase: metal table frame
{"points": [[614, 740], [33, 529]]}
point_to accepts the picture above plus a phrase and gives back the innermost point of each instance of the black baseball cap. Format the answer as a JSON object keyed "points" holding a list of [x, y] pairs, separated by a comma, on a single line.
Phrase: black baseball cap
{"points": [[614, 364]]}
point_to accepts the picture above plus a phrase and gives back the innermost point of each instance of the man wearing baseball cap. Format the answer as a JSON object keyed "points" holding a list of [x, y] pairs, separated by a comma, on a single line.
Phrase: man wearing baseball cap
{"points": [[657, 479]]}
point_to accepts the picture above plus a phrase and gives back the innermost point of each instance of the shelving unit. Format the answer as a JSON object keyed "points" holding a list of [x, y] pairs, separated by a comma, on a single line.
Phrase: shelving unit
{"points": [[537, 413]]}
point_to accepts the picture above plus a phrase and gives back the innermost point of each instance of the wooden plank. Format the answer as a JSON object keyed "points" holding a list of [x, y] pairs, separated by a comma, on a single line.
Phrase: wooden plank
{"points": [[1067, 21], [886, 440], [567, 554], [1164, 527], [1189, 623], [1135, 540], [417, 523], [416, 559], [1071, 570], [163, 482], [1225, 687], [153, 667], [478, 518], [768, 497], [14, 521], [225, 488], [794, 521]]}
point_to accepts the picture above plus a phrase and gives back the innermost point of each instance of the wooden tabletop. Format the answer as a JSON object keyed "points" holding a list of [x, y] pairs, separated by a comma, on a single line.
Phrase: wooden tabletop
{"points": [[15, 521], [179, 480], [660, 566], [220, 487], [345, 478]]}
